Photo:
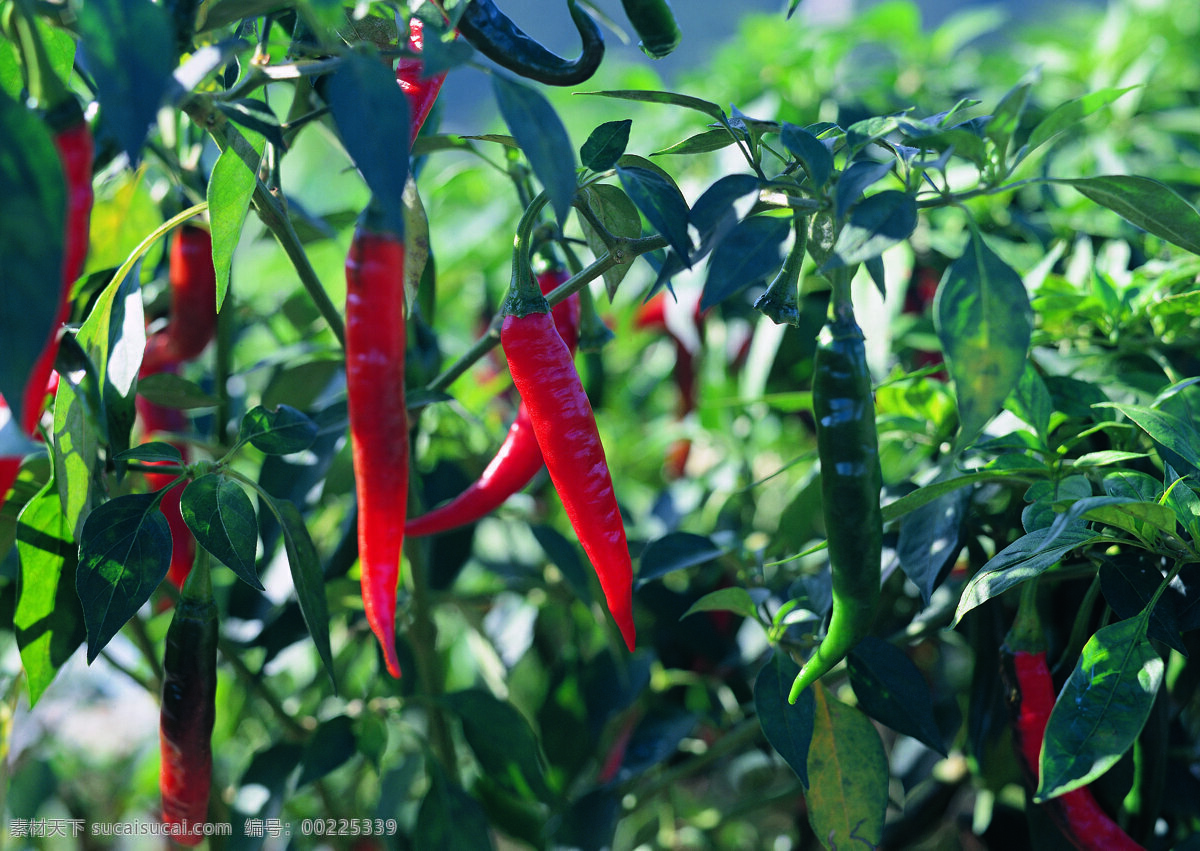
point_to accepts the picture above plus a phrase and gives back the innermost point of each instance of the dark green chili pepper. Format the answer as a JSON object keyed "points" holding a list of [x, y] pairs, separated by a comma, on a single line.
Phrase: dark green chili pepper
{"points": [[494, 35], [850, 482], [655, 25]]}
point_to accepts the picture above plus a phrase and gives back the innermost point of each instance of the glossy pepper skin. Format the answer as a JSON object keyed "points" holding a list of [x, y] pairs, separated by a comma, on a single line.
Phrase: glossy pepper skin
{"points": [[654, 22], [188, 710], [73, 141], [193, 316], [375, 341], [420, 90], [848, 449], [519, 458], [1031, 697], [543, 371], [494, 35]]}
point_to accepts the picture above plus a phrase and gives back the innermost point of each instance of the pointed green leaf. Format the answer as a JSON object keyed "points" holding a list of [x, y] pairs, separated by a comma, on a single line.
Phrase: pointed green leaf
{"points": [[223, 521], [605, 145], [1101, 708], [170, 390], [619, 215], [847, 795], [230, 189], [811, 152], [371, 114], [1166, 429], [735, 599], [661, 202], [855, 181], [31, 244], [891, 689], [985, 323], [686, 101], [541, 134], [154, 451], [1068, 115], [1005, 120], [502, 740], [875, 225], [750, 252], [700, 143], [676, 551], [449, 818], [788, 728], [280, 432], [1152, 206], [329, 747], [48, 620], [305, 566], [78, 462], [565, 557], [124, 554]]}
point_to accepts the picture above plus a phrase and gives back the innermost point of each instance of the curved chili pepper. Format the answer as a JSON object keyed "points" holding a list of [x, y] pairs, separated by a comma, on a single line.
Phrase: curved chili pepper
{"points": [[1031, 697], [155, 420], [420, 90], [850, 483], [518, 459], [655, 25], [494, 35], [193, 316], [189, 710], [73, 141], [375, 340], [543, 370]]}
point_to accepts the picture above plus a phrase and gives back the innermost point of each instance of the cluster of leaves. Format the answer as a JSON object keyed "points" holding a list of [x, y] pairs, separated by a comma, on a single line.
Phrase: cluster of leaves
{"points": [[518, 713]]}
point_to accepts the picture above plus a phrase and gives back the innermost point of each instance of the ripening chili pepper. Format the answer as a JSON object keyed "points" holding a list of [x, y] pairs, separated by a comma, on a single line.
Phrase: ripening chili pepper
{"points": [[157, 420], [193, 312], [654, 22], [189, 709], [494, 35], [73, 141], [543, 370], [1031, 697], [421, 91], [847, 446], [375, 340], [519, 458]]}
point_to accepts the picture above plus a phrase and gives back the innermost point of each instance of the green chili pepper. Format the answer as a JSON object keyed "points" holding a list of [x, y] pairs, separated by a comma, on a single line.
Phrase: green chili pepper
{"points": [[850, 482], [655, 25], [493, 34]]}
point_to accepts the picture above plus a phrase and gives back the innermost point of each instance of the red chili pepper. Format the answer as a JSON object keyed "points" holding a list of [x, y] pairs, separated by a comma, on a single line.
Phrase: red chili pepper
{"points": [[189, 710], [543, 370], [73, 140], [422, 91], [375, 340], [1077, 813], [193, 316], [157, 419], [519, 458]]}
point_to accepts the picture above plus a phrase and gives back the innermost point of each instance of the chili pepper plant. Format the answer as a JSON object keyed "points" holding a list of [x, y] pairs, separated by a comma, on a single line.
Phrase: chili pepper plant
{"points": [[800, 453]]}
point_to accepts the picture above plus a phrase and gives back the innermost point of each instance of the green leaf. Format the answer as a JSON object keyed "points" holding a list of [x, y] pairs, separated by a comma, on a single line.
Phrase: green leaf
{"points": [[1005, 120], [714, 213], [1068, 115], [875, 225], [931, 538], [257, 117], [1166, 429], [686, 101], [1101, 709], [1025, 558], [788, 728], [31, 245], [48, 620], [129, 51], [676, 551], [331, 745], [848, 775], [891, 689], [305, 566], [853, 182], [700, 143], [984, 323], [661, 202], [862, 133], [170, 390], [751, 251], [156, 450], [565, 557], [124, 554], [605, 145], [230, 189], [1152, 206], [223, 521], [811, 152], [79, 465], [371, 114], [735, 599], [1031, 402], [449, 818], [541, 134], [280, 432], [619, 215], [502, 740]]}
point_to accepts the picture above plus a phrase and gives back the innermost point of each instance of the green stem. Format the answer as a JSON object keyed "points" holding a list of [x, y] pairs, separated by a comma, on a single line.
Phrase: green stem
{"points": [[841, 304]]}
